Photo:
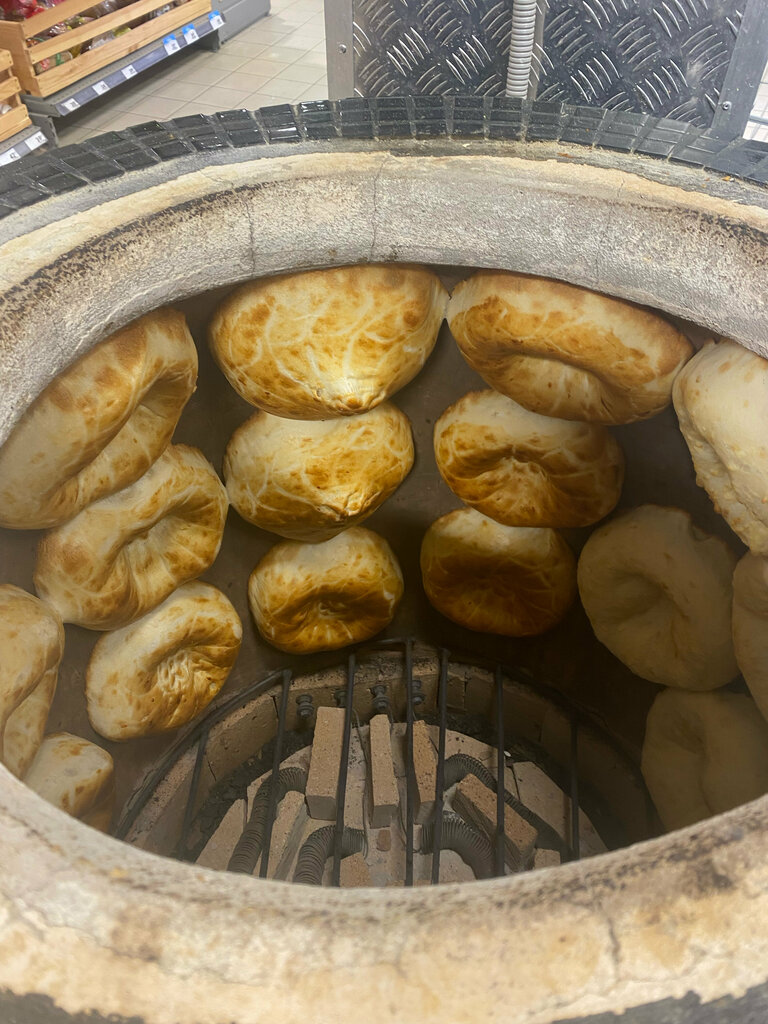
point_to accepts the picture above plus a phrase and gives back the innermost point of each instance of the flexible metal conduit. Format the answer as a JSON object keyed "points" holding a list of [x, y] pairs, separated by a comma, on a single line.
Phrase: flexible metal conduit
{"points": [[521, 47], [471, 845], [457, 766], [248, 849], [316, 850]]}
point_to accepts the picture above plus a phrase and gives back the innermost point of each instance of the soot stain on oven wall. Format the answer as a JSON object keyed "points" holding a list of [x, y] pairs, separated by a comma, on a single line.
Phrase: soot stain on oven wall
{"points": [[40, 1009], [751, 1008]]}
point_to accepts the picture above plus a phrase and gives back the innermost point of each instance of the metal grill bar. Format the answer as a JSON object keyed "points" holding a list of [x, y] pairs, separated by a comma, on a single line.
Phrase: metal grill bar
{"points": [[194, 784], [276, 759], [341, 788], [196, 740], [442, 697], [499, 848], [410, 769], [575, 838], [141, 797]]}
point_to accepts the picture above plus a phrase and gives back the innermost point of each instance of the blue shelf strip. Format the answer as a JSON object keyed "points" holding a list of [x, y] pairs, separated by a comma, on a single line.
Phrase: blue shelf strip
{"points": [[20, 145], [164, 48]]}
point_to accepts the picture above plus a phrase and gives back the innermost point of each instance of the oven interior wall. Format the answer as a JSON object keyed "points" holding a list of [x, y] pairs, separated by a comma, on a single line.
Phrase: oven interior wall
{"points": [[658, 470]]}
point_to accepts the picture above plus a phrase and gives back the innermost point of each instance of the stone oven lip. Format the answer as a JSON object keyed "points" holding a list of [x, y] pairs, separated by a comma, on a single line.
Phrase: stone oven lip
{"points": [[95, 925], [649, 922], [727, 183], [438, 124], [228, 222]]}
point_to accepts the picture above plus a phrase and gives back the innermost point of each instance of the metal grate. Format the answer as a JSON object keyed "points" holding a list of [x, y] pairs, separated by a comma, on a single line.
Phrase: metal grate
{"points": [[689, 60], [198, 737]]}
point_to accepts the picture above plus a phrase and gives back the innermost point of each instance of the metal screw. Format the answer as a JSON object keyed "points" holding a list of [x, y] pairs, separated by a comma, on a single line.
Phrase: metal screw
{"points": [[340, 696], [380, 699], [342, 47], [305, 708], [726, 104]]}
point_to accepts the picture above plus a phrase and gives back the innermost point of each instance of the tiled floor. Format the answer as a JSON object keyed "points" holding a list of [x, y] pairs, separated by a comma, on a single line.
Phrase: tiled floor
{"points": [[756, 130], [279, 59]]}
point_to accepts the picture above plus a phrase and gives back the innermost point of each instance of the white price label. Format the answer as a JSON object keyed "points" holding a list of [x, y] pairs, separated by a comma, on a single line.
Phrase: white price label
{"points": [[171, 44], [129, 72], [190, 34], [70, 105], [8, 157], [100, 88], [38, 139], [215, 19]]}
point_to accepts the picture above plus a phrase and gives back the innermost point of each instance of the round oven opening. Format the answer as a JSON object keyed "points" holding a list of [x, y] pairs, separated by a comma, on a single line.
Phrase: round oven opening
{"points": [[424, 782], [559, 703], [573, 715]]}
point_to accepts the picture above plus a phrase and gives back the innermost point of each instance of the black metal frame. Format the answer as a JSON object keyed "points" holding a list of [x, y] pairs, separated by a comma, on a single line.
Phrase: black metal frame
{"points": [[442, 700], [276, 761], [199, 733], [745, 70], [341, 789]]}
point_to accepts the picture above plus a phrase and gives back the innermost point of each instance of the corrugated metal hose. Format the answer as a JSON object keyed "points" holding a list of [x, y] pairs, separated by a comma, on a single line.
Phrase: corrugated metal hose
{"points": [[471, 845], [248, 849], [316, 850], [457, 766], [521, 47]]}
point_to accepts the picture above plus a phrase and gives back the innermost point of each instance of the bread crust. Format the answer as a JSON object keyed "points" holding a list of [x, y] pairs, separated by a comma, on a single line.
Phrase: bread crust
{"points": [[161, 671], [323, 343], [76, 776], [100, 425], [565, 351], [703, 754], [658, 593], [750, 626], [123, 555], [513, 581], [721, 399], [31, 649], [319, 597], [523, 469], [309, 480]]}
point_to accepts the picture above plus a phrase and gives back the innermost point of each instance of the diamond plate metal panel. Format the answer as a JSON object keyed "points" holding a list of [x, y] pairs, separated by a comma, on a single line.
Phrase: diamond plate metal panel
{"points": [[407, 47], [662, 57], [666, 57]]}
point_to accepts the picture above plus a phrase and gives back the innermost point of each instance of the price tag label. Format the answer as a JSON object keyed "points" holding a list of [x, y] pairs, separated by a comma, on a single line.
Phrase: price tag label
{"points": [[190, 34], [8, 157], [70, 105], [215, 19], [36, 140], [129, 71], [171, 44], [100, 88]]}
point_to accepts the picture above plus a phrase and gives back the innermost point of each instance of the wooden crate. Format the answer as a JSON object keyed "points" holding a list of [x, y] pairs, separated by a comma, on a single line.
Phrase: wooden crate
{"points": [[14, 35], [16, 118]]}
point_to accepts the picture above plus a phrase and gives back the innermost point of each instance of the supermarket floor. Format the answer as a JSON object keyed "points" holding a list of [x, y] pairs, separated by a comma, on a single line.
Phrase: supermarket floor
{"points": [[279, 59]]}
